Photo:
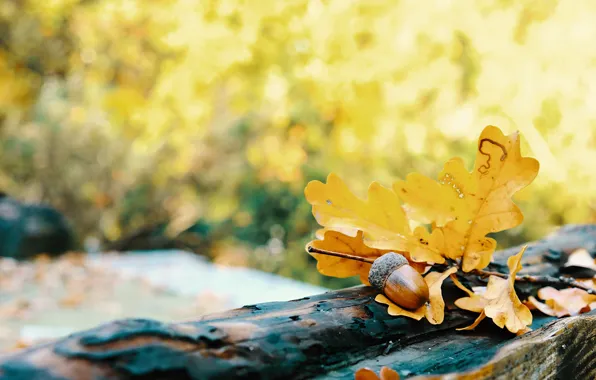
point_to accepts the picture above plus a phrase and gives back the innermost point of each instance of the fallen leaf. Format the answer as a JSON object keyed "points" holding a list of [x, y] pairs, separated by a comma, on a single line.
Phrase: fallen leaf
{"points": [[561, 303], [475, 323], [500, 302], [434, 310], [523, 331], [72, 300], [368, 374], [504, 306], [19, 345], [589, 282], [396, 311], [581, 258], [467, 206], [474, 302], [381, 219], [389, 374], [341, 267], [365, 374], [532, 303]]}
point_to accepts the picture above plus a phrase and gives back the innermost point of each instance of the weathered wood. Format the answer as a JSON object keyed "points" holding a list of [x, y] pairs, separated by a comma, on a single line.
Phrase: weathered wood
{"points": [[565, 349], [328, 335]]}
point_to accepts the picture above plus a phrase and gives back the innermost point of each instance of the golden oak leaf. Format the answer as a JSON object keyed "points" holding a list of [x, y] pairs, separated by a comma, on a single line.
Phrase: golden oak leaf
{"points": [[341, 267], [368, 374], [475, 323], [467, 206], [434, 310], [500, 302], [560, 303], [380, 218], [504, 306], [427, 200], [474, 302], [424, 246]]}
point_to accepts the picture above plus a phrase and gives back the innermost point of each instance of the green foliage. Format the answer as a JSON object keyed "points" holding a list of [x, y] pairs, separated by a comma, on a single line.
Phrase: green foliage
{"points": [[123, 113]]}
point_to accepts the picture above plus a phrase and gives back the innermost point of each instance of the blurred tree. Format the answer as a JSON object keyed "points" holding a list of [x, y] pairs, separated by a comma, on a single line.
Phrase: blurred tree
{"points": [[127, 113]]}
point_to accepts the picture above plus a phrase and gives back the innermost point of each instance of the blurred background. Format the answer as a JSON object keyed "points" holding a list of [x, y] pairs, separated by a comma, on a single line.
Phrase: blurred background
{"points": [[195, 125]]}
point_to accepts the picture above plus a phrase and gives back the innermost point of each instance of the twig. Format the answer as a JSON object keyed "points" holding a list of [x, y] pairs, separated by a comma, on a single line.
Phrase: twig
{"points": [[339, 254], [544, 280]]}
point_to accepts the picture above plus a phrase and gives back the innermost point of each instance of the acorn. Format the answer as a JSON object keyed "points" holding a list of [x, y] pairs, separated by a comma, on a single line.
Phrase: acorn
{"points": [[392, 275], [402, 284]]}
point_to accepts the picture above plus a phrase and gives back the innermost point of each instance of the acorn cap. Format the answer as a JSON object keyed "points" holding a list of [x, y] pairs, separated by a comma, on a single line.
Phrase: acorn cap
{"points": [[382, 267]]}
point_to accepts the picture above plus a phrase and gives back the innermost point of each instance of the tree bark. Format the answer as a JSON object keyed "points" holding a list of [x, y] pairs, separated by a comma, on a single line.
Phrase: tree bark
{"points": [[330, 336]]}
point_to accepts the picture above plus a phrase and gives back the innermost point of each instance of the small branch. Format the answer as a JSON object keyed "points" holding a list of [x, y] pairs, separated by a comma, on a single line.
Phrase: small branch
{"points": [[312, 249], [543, 280]]}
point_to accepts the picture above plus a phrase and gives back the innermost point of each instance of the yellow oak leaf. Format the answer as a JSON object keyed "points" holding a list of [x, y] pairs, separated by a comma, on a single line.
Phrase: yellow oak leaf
{"points": [[381, 219], [341, 267], [396, 311], [560, 303], [424, 246], [434, 310], [474, 302], [466, 206], [504, 306], [499, 302], [438, 208], [475, 323]]}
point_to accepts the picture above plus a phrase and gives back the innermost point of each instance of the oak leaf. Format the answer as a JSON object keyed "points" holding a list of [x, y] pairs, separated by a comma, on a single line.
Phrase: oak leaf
{"points": [[341, 267], [560, 303], [381, 219], [474, 301], [466, 206], [368, 374], [502, 304], [434, 310]]}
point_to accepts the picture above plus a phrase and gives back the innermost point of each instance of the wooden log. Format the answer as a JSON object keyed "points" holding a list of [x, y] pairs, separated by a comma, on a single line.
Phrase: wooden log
{"points": [[328, 335]]}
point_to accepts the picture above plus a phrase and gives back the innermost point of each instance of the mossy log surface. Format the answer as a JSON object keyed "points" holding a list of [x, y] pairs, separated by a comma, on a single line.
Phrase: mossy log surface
{"points": [[330, 336]]}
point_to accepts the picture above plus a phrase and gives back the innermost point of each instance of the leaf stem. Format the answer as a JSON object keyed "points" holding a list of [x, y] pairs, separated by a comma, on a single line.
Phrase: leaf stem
{"points": [[312, 249], [544, 280]]}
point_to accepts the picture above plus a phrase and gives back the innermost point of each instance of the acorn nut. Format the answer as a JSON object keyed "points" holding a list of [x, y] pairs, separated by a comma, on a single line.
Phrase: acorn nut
{"points": [[402, 284]]}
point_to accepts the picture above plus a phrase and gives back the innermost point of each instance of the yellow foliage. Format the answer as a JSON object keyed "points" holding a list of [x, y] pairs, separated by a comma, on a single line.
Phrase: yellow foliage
{"points": [[468, 206], [474, 302], [559, 303], [156, 90], [341, 267], [381, 218], [500, 302]]}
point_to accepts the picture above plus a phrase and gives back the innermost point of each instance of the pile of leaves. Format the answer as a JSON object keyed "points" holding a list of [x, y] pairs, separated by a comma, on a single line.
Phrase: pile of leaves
{"points": [[42, 298], [440, 224]]}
